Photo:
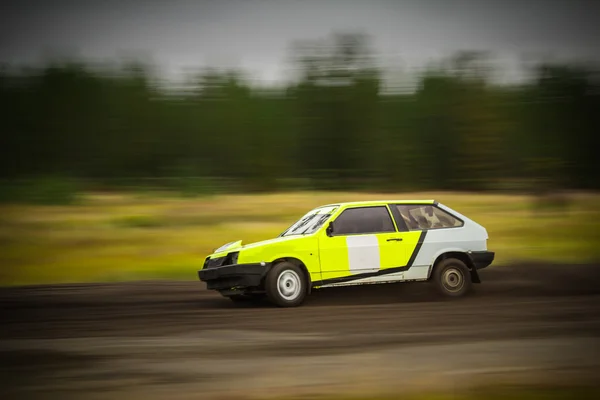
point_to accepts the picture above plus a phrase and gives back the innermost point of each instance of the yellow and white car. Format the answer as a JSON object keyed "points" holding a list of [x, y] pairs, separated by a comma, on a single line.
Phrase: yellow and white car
{"points": [[351, 244]]}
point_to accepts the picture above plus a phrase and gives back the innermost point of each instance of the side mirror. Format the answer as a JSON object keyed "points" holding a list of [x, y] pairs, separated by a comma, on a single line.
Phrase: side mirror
{"points": [[329, 230]]}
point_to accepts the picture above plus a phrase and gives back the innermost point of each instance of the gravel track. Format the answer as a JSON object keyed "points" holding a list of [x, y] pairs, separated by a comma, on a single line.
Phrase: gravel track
{"points": [[524, 323]]}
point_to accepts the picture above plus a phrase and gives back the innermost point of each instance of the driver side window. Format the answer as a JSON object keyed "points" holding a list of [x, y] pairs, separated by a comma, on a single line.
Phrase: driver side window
{"points": [[363, 220]]}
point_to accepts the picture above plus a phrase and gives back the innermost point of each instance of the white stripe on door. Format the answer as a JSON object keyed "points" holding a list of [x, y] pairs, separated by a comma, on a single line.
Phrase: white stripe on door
{"points": [[363, 253]]}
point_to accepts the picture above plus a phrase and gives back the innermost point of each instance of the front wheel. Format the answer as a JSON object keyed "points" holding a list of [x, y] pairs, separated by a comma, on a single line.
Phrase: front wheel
{"points": [[452, 278], [286, 285]]}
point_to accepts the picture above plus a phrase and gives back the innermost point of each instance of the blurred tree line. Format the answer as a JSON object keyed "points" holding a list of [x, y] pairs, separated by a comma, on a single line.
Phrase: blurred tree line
{"points": [[333, 127]]}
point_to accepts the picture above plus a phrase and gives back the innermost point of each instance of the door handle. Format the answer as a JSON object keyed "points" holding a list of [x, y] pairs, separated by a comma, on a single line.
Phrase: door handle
{"points": [[394, 239]]}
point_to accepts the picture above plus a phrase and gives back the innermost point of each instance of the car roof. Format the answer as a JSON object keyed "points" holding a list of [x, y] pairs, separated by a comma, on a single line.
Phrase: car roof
{"points": [[379, 202]]}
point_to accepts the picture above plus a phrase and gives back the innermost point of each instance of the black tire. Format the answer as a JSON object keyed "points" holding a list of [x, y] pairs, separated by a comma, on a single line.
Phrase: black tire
{"points": [[452, 278], [286, 285]]}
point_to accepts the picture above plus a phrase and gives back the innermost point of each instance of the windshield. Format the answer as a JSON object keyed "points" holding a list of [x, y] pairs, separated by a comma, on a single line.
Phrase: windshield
{"points": [[310, 222]]}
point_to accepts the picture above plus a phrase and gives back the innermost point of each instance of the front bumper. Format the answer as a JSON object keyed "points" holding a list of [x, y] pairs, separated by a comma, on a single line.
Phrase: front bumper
{"points": [[233, 276], [481, 259]]}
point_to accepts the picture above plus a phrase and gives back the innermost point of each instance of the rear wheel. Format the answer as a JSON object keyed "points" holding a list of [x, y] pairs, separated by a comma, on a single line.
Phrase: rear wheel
{"points": [[452, 277], [286, 285]]}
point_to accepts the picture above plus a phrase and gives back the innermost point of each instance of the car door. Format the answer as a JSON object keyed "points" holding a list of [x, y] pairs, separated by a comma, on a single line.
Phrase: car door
{"points": [[363, 241]]}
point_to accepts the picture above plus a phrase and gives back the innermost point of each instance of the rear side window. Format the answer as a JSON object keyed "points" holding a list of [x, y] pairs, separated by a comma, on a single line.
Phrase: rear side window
{"points": [[363, 220], [427, 216]]}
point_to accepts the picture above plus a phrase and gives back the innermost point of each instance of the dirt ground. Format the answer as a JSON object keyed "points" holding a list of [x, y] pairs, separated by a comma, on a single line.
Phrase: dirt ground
{"points": [[533, 324]]}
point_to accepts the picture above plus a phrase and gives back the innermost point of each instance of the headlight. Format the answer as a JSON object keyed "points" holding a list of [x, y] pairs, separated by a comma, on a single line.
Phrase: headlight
{"points": [[232, 258]]}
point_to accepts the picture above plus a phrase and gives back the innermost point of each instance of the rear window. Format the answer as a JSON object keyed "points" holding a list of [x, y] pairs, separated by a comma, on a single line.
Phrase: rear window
{"points": [[427, 216]]}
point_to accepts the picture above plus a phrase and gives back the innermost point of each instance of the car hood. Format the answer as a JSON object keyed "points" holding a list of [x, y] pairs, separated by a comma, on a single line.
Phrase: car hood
{"points": [[237, 245]]}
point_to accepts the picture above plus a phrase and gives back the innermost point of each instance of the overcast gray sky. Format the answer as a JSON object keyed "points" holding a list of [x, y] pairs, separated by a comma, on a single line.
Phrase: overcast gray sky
{"points": [[256, 34]]}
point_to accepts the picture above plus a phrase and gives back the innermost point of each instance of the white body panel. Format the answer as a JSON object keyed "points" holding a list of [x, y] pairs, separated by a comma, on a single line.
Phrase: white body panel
{"points": [[469, 237], [417, 273], [363, 253]]}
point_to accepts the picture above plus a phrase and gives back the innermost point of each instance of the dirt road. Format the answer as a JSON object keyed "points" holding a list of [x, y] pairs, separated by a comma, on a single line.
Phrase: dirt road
{"points": [[526, 323]]}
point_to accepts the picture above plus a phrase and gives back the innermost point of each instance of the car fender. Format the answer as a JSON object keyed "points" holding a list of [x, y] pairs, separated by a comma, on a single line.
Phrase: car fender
{"points": [[308, 258], [440, 241], [303, 248], [441, 251]]}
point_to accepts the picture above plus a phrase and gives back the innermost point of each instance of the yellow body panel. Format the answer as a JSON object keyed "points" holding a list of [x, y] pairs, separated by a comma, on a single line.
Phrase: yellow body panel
{"points": [[303, 248], [396, 254], [335, 261], [333, 256]]}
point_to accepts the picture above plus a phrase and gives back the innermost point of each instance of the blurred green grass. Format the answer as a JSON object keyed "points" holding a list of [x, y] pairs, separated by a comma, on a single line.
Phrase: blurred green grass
{"points": [[112, 237]]}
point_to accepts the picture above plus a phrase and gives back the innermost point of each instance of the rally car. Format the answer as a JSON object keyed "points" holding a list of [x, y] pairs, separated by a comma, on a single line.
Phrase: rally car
{"points": [[351, 244]]}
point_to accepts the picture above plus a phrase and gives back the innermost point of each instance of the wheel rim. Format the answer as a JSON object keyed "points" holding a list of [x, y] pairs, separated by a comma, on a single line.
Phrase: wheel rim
{"points": [[289, 285], [453, 279]]}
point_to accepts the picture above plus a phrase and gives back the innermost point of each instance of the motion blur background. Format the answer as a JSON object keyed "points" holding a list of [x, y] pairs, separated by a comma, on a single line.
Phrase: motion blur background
{"points": [[102, 102], [267, 95], [137, 136], [145, 123]]}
